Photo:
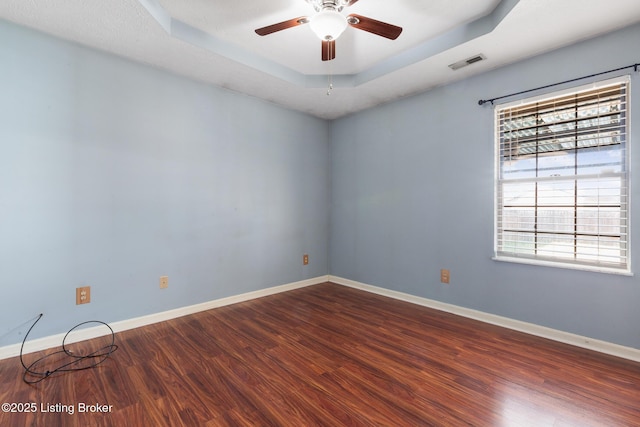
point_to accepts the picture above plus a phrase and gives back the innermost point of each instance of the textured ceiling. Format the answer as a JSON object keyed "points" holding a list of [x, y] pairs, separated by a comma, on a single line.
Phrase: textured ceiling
{"points": [[214, 41]]}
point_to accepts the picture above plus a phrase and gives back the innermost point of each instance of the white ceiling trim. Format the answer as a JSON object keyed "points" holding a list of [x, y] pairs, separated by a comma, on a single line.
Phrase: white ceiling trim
{"points": [[450, 39]]}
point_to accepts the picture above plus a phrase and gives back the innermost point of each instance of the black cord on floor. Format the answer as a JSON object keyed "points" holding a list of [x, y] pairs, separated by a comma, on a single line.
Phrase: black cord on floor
{"points": [[97, 357]]}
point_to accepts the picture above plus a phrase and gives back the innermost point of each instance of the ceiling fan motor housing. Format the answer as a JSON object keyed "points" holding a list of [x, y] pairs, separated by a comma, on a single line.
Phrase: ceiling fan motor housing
{"points": [[336, 5]]}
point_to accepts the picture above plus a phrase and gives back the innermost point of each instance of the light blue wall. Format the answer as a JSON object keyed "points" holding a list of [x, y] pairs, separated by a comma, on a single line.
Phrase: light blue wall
{"points": [[413, 192], [113, 174]]}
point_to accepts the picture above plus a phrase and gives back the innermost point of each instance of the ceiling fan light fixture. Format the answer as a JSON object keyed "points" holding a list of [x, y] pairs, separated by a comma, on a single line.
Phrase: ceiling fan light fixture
{"points": [[328, 24]]}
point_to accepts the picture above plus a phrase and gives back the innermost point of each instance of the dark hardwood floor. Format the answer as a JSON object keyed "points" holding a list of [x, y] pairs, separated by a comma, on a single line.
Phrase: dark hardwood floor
{"points": [[328, 355]]}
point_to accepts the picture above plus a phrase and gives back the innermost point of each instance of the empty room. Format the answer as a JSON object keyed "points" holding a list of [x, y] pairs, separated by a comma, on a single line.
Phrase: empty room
{"points": [[319, 213]]}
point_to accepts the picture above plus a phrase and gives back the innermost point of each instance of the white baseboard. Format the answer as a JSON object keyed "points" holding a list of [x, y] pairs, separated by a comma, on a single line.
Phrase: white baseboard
{"points": [[529, 328], [98, 331]]}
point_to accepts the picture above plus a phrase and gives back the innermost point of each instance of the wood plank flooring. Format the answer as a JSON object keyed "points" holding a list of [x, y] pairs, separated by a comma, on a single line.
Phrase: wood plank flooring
{"points": [[328, 355]]}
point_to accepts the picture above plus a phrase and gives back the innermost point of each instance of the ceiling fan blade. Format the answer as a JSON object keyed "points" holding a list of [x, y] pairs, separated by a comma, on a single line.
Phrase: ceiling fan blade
{"points": [[373, 26], [282, 26], [351, 3], [328, 50]]}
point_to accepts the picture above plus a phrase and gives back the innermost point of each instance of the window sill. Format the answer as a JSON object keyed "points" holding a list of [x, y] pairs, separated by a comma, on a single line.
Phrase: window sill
{"points": [[565, 265]]}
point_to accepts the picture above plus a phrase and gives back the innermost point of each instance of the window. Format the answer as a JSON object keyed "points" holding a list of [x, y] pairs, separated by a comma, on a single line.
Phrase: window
{"points": [[562, 188]]}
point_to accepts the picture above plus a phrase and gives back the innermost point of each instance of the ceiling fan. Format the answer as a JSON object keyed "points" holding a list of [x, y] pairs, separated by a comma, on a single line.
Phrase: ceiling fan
{"points": [[328, 23]]}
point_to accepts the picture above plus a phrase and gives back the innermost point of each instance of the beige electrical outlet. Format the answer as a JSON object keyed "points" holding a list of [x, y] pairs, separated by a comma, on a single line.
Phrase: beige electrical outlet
{"points": [[164, 282], [83, 295], [305, 259], [444, 276]]}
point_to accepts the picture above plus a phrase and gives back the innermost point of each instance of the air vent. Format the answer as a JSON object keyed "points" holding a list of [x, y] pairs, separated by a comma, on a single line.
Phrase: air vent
{"points": [[468, 61]]}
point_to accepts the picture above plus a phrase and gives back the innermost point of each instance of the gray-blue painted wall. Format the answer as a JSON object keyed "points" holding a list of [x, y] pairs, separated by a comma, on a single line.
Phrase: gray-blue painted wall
{"points": [[113, 174], [413, 192]]}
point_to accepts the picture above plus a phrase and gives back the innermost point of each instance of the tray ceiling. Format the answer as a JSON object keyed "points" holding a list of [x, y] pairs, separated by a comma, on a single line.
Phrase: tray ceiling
{"points": [[214, 41]]}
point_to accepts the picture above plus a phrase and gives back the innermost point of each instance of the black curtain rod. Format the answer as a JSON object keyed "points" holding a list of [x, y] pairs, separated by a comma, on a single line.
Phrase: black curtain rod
{"points": [[484, 101]]}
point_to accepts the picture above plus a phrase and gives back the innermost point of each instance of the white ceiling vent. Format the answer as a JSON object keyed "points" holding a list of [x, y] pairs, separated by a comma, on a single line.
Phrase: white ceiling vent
{"points": [[468, 61]]}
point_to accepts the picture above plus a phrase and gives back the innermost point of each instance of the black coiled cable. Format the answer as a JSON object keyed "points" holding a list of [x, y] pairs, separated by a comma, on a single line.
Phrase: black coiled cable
{"points": [[97, 357]]}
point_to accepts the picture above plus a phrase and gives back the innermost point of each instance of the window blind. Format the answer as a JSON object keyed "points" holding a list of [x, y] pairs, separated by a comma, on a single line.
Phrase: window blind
{"points": [[562, 186]]}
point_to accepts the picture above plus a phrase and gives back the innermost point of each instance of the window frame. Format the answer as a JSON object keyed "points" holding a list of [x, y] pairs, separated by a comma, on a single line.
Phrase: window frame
{"points": [[559, 261]]}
